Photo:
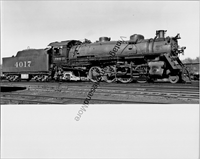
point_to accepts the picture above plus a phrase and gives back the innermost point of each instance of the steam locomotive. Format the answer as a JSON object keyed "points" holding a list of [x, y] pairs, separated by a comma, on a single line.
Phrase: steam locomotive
{"points": [[138, 59]]}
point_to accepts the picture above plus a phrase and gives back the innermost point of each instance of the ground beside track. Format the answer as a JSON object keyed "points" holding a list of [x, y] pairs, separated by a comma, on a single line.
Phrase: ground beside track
{"points": [[115, 93]]}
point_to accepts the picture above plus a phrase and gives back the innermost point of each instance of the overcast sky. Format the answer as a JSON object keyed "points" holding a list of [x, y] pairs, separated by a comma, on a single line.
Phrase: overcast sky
{"points": [[35, 24]]}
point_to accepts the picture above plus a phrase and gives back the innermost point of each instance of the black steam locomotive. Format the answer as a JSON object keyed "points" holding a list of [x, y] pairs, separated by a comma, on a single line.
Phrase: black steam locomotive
{"points": [[139, 59]]}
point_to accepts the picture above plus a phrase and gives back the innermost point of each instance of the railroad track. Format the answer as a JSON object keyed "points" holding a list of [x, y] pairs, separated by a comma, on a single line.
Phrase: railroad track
{"points": [[105, 93], [20, 98], [101, 96], [136, 91], [187, 92], [130, 85]]}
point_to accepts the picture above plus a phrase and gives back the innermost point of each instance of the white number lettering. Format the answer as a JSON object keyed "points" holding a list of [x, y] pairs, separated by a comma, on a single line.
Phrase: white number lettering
{"points": [[20, 64], [16, 64], [29, 63], [23, 64]]}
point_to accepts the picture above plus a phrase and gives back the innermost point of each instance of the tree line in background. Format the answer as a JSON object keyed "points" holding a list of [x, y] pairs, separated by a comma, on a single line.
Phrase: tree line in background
{"points": [[192, 65], [189, 60]]}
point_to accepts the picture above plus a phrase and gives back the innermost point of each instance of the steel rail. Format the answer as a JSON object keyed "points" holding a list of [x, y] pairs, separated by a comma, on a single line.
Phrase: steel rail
{"points": [[146, 92], [79, 98], [125, 87]]}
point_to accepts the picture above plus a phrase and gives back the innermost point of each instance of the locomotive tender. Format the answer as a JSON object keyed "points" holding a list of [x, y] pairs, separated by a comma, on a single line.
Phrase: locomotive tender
{"points": [[136, 59]]}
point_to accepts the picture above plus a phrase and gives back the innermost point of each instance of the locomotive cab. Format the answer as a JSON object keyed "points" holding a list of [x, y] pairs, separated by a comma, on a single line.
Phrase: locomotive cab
{"points": [[60, 50]]}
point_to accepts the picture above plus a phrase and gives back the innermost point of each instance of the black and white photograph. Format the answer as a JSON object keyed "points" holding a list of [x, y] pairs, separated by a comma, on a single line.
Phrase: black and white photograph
{"points": [[99, 79]]}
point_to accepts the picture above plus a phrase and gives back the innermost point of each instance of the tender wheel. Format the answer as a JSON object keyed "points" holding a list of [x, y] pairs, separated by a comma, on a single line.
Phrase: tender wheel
{"points": [[44, 78], [109, 74], [95, 74], [14, 78], [174, 79], [39, 79], [10, 78]]}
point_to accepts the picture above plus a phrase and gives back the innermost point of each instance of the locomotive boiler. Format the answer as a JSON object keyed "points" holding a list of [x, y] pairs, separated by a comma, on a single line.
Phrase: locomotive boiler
{"points": [[137, 59]]}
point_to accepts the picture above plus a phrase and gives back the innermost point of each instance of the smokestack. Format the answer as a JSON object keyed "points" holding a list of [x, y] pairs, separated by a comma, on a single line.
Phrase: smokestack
{"points": [[160, 33]]}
